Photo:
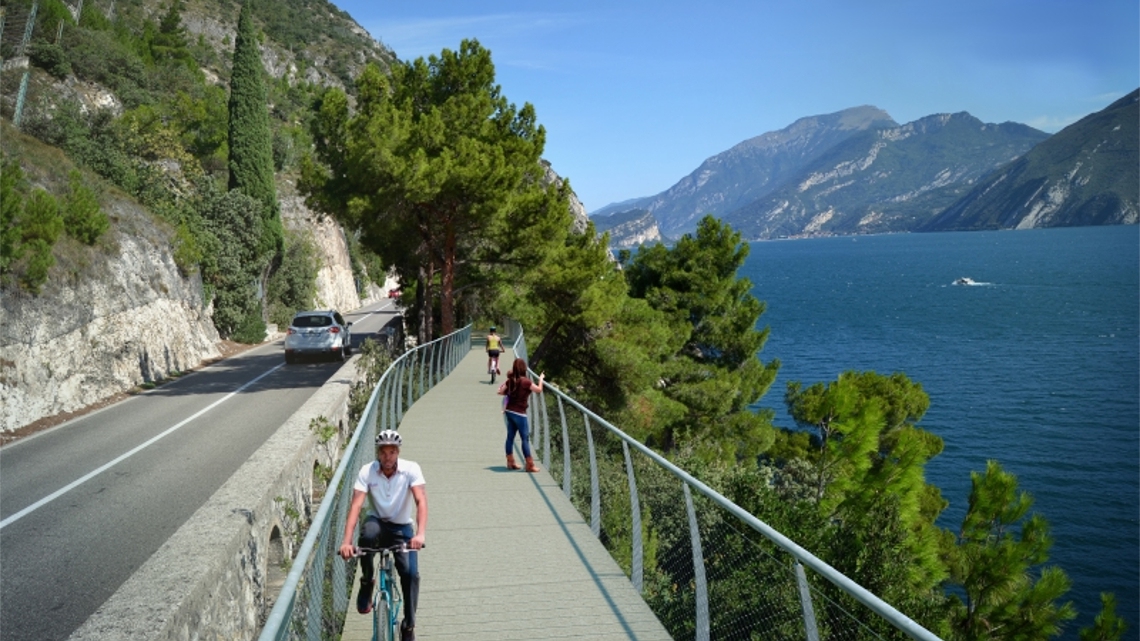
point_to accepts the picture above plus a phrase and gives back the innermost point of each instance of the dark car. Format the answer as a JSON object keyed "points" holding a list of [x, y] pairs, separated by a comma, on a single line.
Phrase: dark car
{"points": [[318, 333]]}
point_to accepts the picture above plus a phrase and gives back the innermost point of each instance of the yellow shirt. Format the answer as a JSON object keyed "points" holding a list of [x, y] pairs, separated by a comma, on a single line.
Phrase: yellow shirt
{"points": [[494, 342]]}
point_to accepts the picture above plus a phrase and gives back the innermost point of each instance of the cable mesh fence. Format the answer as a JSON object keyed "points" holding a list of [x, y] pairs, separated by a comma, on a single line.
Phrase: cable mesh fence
{"points": [[315, 597], [706, 568]]}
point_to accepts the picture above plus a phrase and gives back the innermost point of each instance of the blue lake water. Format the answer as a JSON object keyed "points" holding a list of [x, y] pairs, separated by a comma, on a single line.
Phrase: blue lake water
{"points": [[1037, 366]]}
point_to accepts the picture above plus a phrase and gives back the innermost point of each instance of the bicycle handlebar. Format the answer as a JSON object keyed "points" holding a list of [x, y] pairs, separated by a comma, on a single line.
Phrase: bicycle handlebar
{"points": [[400, 547]]}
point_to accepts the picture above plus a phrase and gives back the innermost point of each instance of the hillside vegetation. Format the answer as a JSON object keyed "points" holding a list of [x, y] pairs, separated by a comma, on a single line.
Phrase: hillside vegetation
{"points": [[139, 99]]}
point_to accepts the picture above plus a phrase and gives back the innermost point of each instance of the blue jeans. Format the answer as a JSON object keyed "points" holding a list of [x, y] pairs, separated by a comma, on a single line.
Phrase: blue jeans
{"points": [[381, 534], [517, 423]]}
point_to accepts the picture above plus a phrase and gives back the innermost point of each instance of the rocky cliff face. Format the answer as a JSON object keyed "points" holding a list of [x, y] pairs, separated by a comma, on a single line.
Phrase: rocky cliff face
{"points": [[629, 229], [131, 318], [885, 180], [577, 210], [126, 319], [1083, 175], [336, 284]]}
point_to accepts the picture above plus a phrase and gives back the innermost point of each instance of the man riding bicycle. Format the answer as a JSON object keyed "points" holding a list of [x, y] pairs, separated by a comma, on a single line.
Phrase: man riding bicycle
{"points": [[395, 488], [494, 348]]}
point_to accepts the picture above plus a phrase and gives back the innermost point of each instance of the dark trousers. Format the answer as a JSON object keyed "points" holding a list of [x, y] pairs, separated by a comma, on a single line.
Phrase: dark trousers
{"points": [[381, 534]]}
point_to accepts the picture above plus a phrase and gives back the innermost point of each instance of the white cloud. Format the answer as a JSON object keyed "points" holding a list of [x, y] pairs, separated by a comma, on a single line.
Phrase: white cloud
{"points": [[414, 38], [1053, 124]]}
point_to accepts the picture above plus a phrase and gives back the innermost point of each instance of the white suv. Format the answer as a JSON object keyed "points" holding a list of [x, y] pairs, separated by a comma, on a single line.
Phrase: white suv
{"points": [[320, 333]]}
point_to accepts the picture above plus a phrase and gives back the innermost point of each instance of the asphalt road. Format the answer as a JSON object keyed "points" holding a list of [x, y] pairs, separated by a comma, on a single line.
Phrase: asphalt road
{"points": [[83, 505]]}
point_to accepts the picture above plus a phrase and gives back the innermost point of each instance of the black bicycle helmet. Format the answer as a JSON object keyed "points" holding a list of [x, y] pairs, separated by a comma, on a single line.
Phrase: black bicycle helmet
{"points": [[389, 437], [492, 328]]}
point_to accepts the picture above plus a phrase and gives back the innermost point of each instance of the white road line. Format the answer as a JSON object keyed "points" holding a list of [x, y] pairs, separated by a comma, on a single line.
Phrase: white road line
{"points": [[90, 475]]}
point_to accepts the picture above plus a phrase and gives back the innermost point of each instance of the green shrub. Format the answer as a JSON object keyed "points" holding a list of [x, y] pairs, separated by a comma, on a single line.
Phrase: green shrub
{"points": [[233, 259], [50, 58], [251, 330], [39, 226], [294, 285], [11, 205], [187, 250], [82, 217]]}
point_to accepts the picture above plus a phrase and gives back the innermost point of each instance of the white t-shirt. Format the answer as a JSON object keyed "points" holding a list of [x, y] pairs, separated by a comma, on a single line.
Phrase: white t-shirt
{"points": [[391, 498]]}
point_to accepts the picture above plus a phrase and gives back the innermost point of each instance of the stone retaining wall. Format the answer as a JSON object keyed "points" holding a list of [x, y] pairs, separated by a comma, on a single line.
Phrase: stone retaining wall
{"points": [[214, 579]]}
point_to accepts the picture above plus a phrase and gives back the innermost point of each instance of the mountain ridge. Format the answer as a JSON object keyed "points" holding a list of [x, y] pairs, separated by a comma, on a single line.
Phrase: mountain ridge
{"points": [[929, 174], [1038, 189], [886, 180], [716, 185]]}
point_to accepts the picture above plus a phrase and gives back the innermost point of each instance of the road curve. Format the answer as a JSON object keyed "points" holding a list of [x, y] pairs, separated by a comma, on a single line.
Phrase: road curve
{"points": [[83, 505]]}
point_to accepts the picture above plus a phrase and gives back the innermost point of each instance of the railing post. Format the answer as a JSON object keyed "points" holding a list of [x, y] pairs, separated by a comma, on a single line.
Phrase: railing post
{"points": [[411, 381], [432, 356], [805, 601], [702, 604], [636, 571], [545, 435], [595, 497], [565, 451], [536, 432], [398, 397], [423, 370]]}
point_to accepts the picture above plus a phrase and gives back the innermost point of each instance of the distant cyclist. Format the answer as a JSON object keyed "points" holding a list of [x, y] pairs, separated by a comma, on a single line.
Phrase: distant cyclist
{"points": [[494, 348], [395, 487]]}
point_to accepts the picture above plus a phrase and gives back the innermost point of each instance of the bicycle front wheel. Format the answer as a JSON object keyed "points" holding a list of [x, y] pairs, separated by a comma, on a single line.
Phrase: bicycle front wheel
{"points": [[383, 629]]}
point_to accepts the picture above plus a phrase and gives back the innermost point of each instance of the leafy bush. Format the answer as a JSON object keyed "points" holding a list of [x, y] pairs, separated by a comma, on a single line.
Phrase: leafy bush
{"points": [[251, 330], [187, 251], [233, 259], [293, 286], [50, 58], [99, 57], [40, 225], [82, 217]]}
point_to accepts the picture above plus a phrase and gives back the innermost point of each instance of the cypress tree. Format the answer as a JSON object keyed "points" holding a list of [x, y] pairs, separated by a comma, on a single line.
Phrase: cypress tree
{"points": [[250, 138]]}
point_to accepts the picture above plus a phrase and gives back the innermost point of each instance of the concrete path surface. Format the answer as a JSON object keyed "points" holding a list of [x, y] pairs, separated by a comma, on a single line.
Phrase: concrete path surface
{"points": [[508, 556]]}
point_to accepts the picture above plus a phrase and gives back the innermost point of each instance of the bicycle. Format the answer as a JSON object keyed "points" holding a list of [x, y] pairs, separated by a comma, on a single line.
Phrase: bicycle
{"points": [[494, 367], [389, 597]]}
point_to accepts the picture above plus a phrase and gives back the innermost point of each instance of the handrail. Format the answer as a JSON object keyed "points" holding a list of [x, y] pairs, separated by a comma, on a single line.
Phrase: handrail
{"points": [[897, 619]]}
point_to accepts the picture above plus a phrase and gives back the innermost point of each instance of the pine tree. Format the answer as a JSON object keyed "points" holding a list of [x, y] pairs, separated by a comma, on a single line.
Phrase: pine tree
{"points": [[1107, 626], [716, 374], [430, 169], [250, 138], [870, 457], [169, 42], [996, 566]]}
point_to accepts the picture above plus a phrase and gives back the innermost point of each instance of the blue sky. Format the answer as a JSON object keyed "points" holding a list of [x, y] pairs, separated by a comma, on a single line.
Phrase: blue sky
{"points": [[634, 95]]}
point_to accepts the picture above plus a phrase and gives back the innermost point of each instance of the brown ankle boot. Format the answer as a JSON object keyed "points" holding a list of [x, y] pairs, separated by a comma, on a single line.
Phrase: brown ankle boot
{"points": [[530, 466], [511, 465]]}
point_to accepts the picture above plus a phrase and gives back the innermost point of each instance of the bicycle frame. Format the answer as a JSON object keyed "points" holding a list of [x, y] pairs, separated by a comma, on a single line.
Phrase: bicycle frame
{"points": [[388, 600], [389, 593]]}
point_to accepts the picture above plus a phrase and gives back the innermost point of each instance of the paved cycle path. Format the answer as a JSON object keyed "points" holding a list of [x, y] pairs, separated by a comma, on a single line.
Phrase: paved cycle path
{"points": [[508, 556]]}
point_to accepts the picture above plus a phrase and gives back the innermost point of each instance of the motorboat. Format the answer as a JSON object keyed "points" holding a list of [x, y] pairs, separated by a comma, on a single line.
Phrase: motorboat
{"points": [[965, 280]]}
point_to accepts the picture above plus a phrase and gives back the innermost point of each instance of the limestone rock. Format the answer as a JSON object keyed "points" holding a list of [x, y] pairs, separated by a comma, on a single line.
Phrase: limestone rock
{"points": [[125, 319]]}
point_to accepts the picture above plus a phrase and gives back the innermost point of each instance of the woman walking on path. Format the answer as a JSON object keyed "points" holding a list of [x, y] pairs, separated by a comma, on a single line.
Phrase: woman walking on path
{"points": [[517, 388]]}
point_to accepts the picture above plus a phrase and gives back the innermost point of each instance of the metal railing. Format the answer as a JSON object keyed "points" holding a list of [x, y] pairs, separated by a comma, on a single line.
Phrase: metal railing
{"points": [[314, 599], [707, 567], [727, 575]]}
